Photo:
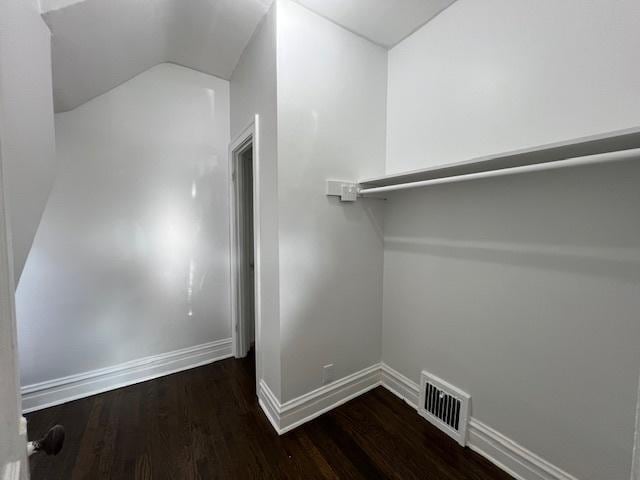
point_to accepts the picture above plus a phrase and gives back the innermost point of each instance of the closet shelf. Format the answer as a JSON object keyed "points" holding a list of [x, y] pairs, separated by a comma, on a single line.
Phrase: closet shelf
{"points": [[613, 146]]}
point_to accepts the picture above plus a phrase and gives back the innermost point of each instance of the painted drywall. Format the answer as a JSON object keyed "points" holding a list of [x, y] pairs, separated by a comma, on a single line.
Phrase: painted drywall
{"points": [[26, 120], [494, 75], [254, 91], [524, 293], [331, 124], [132, 256], [523, 290]]}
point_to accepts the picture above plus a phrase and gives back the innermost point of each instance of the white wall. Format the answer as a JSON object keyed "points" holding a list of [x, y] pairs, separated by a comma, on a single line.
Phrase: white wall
{"points": [[522, 290], [494, 75], [132, 255], [26, 120], [254, 91], [331, 124]]}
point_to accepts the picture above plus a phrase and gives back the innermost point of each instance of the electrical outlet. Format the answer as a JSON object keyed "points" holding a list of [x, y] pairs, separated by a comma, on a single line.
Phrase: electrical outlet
{"points": [[327, 374]]}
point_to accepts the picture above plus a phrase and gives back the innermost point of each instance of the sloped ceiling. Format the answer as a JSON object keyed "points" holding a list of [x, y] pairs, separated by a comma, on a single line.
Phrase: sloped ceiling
{"points": [[385, 22], [99, 44]]}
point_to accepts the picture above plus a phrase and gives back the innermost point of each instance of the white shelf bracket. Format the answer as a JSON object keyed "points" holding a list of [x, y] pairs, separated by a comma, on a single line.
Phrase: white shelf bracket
{"points": [[347, 191]]}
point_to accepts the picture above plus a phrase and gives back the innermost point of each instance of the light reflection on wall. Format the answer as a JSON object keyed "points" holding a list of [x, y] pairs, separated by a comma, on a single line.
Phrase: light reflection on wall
{"points": [[190, 288], [174, 241], [131, 258]]}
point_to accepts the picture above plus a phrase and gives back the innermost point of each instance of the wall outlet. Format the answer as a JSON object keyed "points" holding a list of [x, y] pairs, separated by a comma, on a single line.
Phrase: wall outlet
{"points": [[327, 374]]}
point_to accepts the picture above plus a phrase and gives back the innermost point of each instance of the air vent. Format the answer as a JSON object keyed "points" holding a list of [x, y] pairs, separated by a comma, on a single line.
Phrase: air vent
{"points": [[445, 406]]}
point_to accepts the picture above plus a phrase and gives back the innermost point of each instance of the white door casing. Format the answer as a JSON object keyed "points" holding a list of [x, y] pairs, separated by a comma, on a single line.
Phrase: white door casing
{"points": [[13, 448], [250, 135]]}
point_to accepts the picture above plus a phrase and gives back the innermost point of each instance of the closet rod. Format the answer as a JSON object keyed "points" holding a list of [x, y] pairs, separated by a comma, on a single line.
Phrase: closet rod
{"points": [[537, 167]]}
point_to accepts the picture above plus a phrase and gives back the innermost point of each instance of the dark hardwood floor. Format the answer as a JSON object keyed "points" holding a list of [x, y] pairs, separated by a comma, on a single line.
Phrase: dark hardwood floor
{"points": [[205, 423]]}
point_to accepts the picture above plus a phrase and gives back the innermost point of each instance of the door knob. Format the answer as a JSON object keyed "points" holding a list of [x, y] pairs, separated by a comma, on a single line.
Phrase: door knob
{"points": [[51, 443]]}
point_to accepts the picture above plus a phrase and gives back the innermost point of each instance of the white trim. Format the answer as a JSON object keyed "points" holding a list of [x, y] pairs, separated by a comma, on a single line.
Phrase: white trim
{"points": [[15, 440], [239, 145], [295, 412], [491, 444], [635, 463], [270, 405], [62, 390], [401, 386], [510, 456], [11, 471], [251, 133], [22, 427]]}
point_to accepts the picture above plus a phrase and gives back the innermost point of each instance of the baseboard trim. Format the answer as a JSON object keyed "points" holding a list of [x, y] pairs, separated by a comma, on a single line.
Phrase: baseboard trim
{"points": [[11, 471], [503, 452], [488, 442], [510, 456], [73, 387], [635, 462], [270, 405], [293, 413], [399, 385]]}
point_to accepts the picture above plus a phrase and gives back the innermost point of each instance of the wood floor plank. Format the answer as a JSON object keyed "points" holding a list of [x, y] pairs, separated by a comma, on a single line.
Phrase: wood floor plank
{"points": [[205, 423]]}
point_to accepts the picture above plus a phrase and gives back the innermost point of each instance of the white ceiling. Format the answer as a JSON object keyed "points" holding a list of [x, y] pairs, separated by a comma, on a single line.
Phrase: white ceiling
{"points": [[385, 22], [99, 44]]}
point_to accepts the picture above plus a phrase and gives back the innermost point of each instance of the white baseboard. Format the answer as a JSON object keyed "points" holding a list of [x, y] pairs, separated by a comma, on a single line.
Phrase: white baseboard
{"points": [[510, 456], [491, 444], [399, 385], [295, 412], [61, 390], [635, 462], [11, 471], [269, 404]]}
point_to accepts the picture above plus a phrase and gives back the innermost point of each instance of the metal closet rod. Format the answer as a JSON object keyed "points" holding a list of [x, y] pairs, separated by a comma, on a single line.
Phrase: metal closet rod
{"points": [[537, 167]]}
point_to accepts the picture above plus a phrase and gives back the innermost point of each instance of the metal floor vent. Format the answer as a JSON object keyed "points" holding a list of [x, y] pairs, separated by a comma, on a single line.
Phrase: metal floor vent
{"points": [[445, 406]]}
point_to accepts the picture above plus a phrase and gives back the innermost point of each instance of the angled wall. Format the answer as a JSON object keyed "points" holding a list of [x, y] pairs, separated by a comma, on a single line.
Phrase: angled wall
{"points": [[27, 159], [26, 121], [131, 257], [99, 44]]}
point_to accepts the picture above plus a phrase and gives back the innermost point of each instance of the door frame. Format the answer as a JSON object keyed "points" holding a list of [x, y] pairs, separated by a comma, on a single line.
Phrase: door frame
{"points": [[14, 465], [249, 135], [635, 461]]}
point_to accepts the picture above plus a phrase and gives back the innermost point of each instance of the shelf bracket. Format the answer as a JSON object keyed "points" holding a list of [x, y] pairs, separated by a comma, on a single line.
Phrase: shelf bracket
{"points": [[346, 190]]}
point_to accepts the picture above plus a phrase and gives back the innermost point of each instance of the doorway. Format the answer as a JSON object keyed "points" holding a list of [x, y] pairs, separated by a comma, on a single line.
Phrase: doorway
{"points": [[244, 245], [242, 177]]}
